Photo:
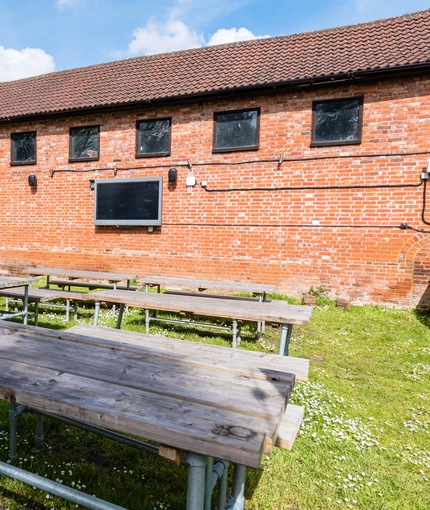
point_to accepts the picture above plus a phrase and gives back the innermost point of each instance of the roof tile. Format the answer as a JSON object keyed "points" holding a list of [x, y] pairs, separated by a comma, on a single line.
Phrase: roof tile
{"points": [[379, 45]]}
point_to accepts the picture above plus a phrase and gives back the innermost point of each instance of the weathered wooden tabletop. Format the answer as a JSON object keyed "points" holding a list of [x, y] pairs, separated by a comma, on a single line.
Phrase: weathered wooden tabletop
{"points": [[11, 281], [199, 284], [205, 399], [77, 273], [271, 311]]}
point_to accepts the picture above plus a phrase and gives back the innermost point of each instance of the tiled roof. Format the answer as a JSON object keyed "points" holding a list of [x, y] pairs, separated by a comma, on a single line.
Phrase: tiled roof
{"points": [[384, 45]]}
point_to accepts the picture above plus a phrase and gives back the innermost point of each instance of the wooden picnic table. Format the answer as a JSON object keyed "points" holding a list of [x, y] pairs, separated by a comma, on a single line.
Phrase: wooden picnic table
{"points": [[208, 401], [276, 311], [9, 282]]}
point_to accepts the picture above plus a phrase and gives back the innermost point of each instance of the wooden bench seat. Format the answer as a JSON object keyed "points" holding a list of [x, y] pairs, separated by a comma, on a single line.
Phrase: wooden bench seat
{"points": [[35, 296], [290, 426], [42, 295], [91, 285], [239, 298]]}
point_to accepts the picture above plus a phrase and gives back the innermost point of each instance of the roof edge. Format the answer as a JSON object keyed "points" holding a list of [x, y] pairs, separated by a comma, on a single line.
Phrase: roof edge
{"points": [[272, 88]]}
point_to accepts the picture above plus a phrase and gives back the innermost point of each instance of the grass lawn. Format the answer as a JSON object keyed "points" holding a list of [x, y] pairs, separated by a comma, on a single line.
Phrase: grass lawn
{"points": [[364, 443]]}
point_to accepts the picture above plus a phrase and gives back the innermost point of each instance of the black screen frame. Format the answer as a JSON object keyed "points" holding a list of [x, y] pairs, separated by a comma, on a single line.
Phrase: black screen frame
{"points": [[131, 222]]}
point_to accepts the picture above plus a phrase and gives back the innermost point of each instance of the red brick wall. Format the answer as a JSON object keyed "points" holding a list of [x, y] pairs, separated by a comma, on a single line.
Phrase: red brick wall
{"points": [[253, 235]]}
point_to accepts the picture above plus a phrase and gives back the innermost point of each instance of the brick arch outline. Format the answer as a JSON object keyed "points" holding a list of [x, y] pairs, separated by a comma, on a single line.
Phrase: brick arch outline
{"points": [[408, 255], [412, 247]]}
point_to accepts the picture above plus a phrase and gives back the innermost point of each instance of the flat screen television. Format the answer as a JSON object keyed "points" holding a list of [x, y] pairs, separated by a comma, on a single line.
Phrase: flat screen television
{"points": [[128, 202]]}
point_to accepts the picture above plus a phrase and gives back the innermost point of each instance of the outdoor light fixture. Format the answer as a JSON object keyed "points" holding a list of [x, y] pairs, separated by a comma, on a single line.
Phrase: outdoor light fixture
{"points": [[91, 184], [32, 181], [173, 175]]}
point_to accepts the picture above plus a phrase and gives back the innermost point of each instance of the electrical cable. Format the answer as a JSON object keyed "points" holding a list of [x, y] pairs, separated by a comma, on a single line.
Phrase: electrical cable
{"points": [[280, 225], [114, 169], [282, 159], [424, 204], [279, 161], [298, 188]]}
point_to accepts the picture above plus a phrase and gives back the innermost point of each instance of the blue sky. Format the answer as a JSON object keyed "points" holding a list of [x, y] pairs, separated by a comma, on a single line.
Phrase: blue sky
{"points": [[39, 36]]}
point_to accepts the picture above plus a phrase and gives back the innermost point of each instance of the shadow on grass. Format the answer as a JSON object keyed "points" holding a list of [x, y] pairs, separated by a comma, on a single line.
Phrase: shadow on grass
{"points": [[423, 316]]}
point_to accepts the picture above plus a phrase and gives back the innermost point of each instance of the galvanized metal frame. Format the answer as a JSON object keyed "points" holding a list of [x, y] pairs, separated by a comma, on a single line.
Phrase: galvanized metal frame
{"points": [[203, 473]]}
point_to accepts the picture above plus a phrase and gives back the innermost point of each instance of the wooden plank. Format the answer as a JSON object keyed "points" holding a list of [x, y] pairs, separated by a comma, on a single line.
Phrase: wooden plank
{"points": [[273, 311], [232, 298], [91, 285], [11, 281], [200, 284], [240, 361], [77, 273], [170, 377], [172, 455], [33, 294], [290, 426], [173, 422]]}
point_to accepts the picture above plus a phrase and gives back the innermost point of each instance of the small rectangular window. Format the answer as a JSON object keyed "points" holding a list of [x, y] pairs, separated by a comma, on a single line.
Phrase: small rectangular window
{"points": [[84, 143], [236, 130], [153, 137], [337, 122], [23, 148]]}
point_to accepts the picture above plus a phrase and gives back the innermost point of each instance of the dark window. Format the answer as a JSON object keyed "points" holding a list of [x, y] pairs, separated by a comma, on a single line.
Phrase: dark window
{"points": [[23, 148], [84, 143], [153, 137], [236, 131], [337, 122]]}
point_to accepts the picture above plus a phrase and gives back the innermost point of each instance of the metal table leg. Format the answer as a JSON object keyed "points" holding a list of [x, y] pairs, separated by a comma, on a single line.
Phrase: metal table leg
{"points": [[13, 448], [236, 500], [25, 311], [196, 480], [234, 331], [285, 339], [96, 312]]}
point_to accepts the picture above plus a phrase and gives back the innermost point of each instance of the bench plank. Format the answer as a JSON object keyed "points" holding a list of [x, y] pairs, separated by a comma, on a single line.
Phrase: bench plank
{"points": [[78, 273], [34, 294], [290, 426], [91, 285]]}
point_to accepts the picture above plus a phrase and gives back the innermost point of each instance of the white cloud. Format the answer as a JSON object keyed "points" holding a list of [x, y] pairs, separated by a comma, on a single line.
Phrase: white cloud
{"points": [[174, 35], [67, 3], [161, 38], [16, 64], [229, 35]]}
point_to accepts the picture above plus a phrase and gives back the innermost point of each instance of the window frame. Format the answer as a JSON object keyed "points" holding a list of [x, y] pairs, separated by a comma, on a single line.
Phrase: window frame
{"points": [[73, 159], [216, 150], [153, 154], [355, 141], [19, 163]]}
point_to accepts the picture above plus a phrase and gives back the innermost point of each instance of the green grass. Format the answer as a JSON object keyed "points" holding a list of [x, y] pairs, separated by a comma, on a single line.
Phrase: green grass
{"points": [[364, 443]]}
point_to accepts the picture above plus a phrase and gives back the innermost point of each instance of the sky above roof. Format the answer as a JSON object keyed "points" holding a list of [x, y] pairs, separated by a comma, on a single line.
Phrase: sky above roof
{"points": [[43, 36]]}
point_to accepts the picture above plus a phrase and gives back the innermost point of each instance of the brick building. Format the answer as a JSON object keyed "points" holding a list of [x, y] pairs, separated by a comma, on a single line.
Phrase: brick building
{"points": [[307, 151]]}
